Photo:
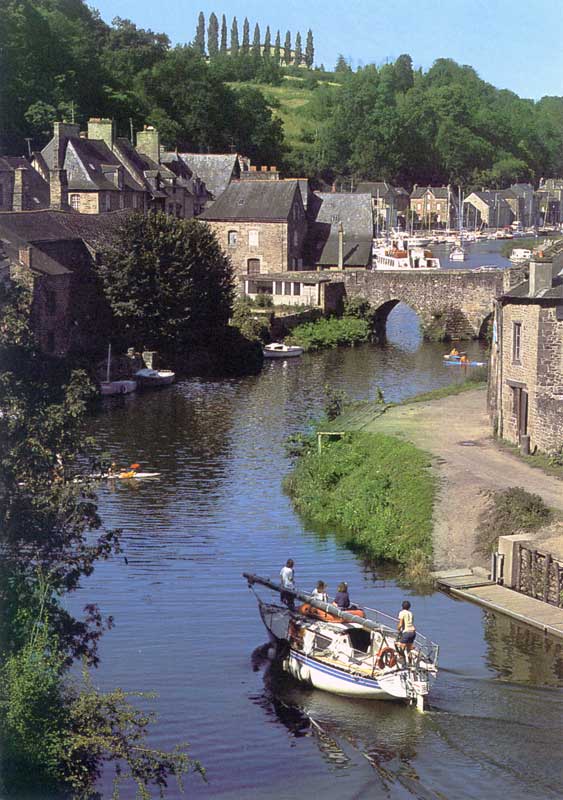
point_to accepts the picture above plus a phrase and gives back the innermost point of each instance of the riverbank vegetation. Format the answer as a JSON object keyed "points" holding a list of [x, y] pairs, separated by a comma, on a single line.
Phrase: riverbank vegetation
{"points": [[375, 491], [476, 379], [56, 732], [330, 332], [507, 512]]}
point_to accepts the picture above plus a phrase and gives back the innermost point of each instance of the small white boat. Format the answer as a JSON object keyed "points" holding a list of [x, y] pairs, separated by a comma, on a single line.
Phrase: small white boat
{"points": [[117, 387], [345, 653], [155, 377], [126, 475], [457, 253], [279, 350], [521, 254], [413, 258]]}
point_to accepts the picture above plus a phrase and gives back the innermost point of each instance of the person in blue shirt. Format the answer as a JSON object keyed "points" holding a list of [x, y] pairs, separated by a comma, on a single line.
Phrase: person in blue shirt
{"points": [[342, 599]]}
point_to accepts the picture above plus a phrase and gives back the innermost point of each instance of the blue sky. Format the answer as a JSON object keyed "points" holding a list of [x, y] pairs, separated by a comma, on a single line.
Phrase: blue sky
{"points": [[512, 44]]}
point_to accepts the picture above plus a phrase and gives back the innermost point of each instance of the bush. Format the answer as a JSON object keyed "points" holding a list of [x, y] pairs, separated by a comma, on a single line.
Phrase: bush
{"points": [[264, 301], [330, 333], [509, 511]]}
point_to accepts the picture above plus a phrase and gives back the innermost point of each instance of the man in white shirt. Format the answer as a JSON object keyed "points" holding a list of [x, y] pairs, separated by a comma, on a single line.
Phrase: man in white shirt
{"points": [[287, 581]]}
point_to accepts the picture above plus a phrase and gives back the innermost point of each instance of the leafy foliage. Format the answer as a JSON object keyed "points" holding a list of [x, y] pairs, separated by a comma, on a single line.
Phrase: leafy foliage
{"points": [[330, 332], [510, 511]]}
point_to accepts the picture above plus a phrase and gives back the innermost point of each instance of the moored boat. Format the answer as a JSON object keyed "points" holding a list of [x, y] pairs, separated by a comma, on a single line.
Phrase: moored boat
{"points": [[457, 253], [117, 387], [280, 350], [346, 653], [521, 254], [155, 377]]}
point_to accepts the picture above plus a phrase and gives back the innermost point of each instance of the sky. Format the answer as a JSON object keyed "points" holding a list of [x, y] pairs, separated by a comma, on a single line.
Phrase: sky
{"points": [[512, 44]]}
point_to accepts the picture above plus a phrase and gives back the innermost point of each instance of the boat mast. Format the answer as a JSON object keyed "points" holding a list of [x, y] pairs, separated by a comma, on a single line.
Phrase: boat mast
{"points": [[108, 369]]}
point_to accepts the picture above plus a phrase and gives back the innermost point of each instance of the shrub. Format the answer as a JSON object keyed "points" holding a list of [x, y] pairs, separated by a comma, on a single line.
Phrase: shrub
{"points": [[330, 333], [509, 511]]}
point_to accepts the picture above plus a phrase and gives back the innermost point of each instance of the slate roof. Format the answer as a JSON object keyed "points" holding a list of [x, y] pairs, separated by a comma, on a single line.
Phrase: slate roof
{"points": [[375, 188], [439, 192], [354, 211], [263, 201], [84, 162], [522, 290], [490, 198], [216, 170], [36, 190], [50, 225]]}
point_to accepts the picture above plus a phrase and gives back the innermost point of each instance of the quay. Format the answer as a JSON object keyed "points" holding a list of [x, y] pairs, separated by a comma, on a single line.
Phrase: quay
{"points": [[472, 586]]}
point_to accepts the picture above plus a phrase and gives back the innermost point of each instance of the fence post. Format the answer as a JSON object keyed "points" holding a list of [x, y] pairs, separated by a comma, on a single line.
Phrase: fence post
{"points": [[533, 571], [546, 566], [518, 567], [558, 582]]}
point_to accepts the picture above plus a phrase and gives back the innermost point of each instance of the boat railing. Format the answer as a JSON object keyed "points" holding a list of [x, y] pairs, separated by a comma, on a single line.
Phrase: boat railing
{"points": [[427, 649]]}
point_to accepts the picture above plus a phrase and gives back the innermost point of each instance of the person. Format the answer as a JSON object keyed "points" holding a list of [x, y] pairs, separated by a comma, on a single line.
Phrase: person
{"points": [[454, 351], [319, 592], [464, 359], [407, 631], [287, 580], [342, 599]]}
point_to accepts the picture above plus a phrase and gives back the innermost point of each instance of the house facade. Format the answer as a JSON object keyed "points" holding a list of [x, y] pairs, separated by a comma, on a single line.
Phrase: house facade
{"points": [[388, 201], [261, 225], [433, 206], [526, 367], [488, 209], [340, 230]]}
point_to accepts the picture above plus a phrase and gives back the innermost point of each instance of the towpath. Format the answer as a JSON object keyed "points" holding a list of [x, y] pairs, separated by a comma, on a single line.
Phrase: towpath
{"points": [[455, 430]]}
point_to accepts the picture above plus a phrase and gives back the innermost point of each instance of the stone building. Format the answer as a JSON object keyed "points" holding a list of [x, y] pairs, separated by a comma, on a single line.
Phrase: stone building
{"points": [[528, 209], [21, 187], [489, 209], [526, 367], [216, 170], [433, 206], [549, 200], [340, 231], [388, 203], [261, 225]]}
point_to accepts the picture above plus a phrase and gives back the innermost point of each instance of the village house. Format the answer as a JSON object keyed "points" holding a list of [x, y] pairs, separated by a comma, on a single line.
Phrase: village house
{"points": [[340, 231], [261, 225], [388, 201], [549, 199], [433, 206], [525, 192], [21, 187], [297, 289], [487, 209], [526, 366], [216, 170]]}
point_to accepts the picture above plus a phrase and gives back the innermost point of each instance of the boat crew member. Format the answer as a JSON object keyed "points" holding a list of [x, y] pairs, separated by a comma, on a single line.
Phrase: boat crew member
{"points": [[342, 599], [319, 592], [407, 631], [287, 580], [454, 351]]}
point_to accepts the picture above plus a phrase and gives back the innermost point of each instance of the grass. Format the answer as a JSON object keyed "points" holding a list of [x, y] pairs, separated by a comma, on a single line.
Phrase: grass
{"points": [[549, 464], [375, 490], [509, 511], [477, 379]]}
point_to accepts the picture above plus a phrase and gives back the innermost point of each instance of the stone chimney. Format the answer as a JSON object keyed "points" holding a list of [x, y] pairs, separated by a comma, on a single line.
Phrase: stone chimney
{"points": [[18, 195], [340, 246], [58, 189], [61, 132], [148, 143], [102, 129], [25, 256], [541, 276]]}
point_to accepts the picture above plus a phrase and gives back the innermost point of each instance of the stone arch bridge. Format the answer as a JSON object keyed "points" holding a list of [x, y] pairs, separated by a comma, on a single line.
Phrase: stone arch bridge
{"points": [[455, 304]]}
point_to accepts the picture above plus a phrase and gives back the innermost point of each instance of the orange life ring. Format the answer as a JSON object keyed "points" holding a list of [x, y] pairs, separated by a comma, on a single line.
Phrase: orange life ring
{"points": [[386, 657]]}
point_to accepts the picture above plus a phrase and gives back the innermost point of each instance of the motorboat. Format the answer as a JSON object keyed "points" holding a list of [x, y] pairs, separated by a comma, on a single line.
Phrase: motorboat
{"points": [[280, 350], [346, 652], [411, 258], [117, 387], [519, 254], [457, 253], [155, 377]]}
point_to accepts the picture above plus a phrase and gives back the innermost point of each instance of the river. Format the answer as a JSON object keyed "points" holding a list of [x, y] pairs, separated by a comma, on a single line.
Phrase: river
{"points": [[187, 627]]}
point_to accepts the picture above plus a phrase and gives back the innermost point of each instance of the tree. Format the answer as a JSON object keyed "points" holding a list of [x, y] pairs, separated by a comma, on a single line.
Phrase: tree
{"points": [[256, 42], [245, 37], [404, 76], [224, 46], [309, 50], [234, 38], [213, 36], [277, 48], [287, 48], [199, 41], [342, 65], [267, 43], [167, 281], [298, 50]]}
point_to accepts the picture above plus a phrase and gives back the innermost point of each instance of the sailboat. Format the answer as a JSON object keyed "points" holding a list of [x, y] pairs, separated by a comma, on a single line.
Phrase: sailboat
{"points": [[457, 253], [108, 386]]}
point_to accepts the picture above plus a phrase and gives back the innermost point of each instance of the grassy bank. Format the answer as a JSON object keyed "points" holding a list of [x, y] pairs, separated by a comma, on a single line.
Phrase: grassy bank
{"points": [[477, 379], [330, 332], [375, 490]]}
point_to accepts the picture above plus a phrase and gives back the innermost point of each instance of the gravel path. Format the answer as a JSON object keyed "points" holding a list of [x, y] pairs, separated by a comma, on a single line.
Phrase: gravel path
{"points": [[455, 430]]}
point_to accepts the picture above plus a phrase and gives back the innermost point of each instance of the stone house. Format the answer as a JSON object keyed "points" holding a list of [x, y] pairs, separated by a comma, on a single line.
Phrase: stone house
{"points": [[525, 395], [433, 206], [487, 209], [528, 210], [21, 187], [340, 231], [388, 202], [549, 200], [216, 170], [310, 289], [261, 225]]}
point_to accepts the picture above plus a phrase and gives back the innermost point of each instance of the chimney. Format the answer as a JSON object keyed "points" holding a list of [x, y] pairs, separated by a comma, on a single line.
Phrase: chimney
{"points": [[102, 129], [148, 143], [18, 196], [340, 246], [24, 255], [541, 276], [61, 132], [58, 189]]}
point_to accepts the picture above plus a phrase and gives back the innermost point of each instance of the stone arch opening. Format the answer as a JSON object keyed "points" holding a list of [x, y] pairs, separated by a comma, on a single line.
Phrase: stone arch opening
{"points": [[405, 312], [486, 328]]}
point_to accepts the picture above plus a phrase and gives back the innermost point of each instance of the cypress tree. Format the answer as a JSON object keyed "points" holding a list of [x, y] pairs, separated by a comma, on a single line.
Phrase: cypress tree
{"points": [[298, 50], [213, 36], [199, 41], [256, 42], [223, 47], [287, 48], [309, 49], [234, 38], [245, 37], [277, 49], [267, 43]]}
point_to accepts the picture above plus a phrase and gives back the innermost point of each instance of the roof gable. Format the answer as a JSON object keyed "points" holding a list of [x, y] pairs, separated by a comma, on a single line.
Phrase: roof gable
{"points": [[265, 201]]}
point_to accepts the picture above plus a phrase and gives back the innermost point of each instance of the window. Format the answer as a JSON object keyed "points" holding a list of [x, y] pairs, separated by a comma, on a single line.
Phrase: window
{"points": [[516, 342], [75, 201], [253, 238], [278, 287], [295, 239], [296, 288], [232, 238], [253, 266]]}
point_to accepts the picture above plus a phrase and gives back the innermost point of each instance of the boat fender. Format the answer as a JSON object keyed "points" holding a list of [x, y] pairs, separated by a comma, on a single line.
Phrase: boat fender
{"points": [[123, 388], [304, 672], [386, 657]]}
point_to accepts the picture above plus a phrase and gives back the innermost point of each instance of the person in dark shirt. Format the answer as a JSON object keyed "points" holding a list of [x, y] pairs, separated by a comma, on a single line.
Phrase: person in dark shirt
{"points": [[342, 599]]}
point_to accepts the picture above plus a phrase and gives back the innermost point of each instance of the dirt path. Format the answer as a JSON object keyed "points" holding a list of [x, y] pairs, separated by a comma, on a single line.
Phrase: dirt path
{"points": [[456, 431]]}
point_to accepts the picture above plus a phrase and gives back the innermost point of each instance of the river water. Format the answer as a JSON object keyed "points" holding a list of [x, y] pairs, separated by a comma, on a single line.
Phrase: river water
{"points": [[187, 627]]}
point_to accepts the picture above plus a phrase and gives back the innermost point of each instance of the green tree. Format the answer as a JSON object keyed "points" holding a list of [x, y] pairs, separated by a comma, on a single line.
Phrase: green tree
{"points": [[309, 50], [234, 38], [298, 50], [277, 48], [267, 43], [199, 41], [167, 281], [245, 37], [223, 46], [342, 65], [256, 42], [404, 76], [287, 48], [213, 36]]}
